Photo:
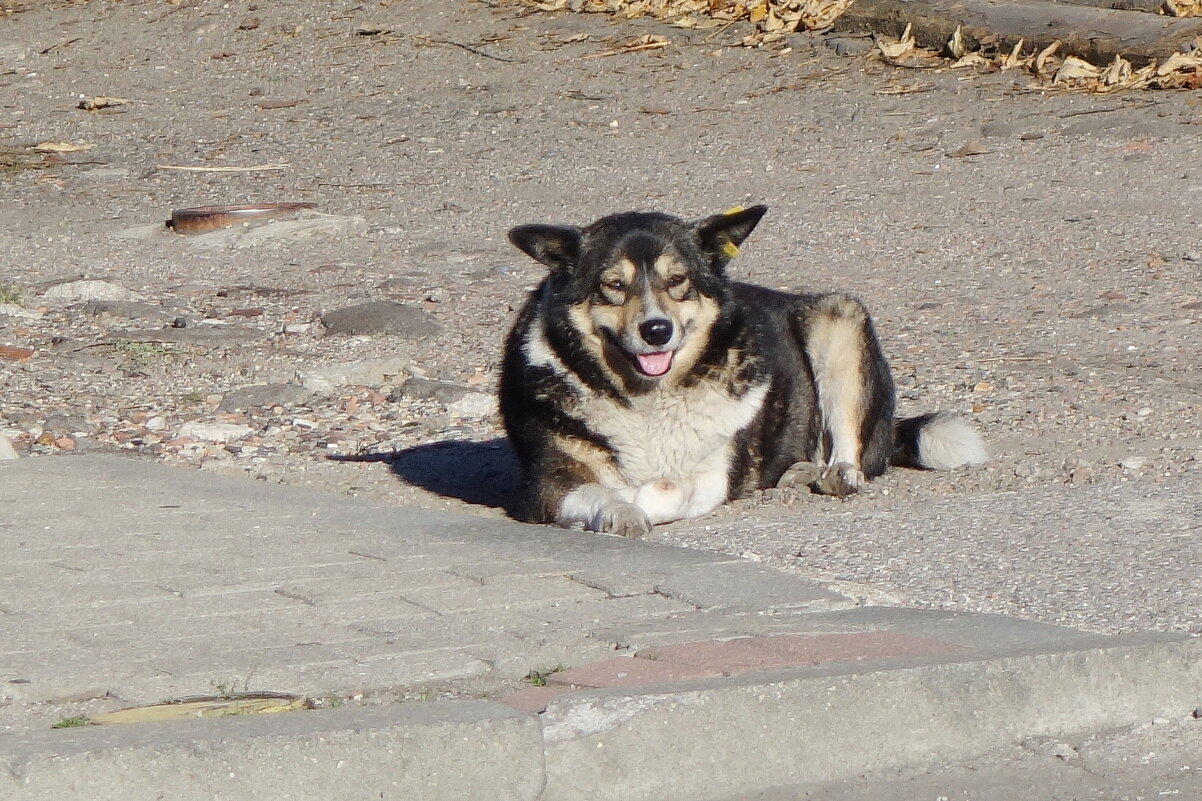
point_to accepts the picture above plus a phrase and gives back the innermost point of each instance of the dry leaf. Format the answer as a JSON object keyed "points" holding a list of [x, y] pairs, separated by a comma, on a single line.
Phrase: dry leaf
{"points": [[62, 147], [1178, 62], [906, 90], [647, 41], [973, 148], [819, 14], [96, 103], [1076, 69], [955, 47], [1015, 58], [1118, 72], [896, 48], [1042, 59], [970, 60]]}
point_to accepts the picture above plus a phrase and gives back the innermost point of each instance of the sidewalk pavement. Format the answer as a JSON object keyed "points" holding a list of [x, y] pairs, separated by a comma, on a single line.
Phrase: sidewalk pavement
{"points": [[670, 673]]}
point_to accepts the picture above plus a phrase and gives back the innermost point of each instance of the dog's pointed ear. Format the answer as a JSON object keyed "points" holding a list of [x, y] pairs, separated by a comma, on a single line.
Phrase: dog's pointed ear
{"points": [[721, 234], [557, 246]]}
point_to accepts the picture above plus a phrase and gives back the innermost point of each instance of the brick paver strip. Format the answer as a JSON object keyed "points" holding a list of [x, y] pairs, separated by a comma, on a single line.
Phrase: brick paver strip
{"points": [[624, 671], [534, 699]]}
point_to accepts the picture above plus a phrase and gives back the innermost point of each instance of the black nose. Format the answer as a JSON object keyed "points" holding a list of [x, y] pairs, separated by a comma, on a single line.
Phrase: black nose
{"points": [[656, 331]]}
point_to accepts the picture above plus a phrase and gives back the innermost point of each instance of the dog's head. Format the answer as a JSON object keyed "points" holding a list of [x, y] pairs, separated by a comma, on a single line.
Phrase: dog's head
{"points": [[643, 289]]}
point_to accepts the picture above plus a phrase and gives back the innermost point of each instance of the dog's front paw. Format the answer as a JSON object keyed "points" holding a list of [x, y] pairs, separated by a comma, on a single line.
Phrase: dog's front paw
{"points": [[623, 520], [840, 480], [800, 474]]}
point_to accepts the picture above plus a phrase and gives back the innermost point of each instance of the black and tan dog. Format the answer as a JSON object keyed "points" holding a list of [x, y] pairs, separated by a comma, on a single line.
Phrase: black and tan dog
{"points": [[640, 385]]}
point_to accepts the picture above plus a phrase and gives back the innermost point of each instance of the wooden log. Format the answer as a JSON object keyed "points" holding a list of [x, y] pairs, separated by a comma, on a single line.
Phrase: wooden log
{"points": [[1097, 35], [1147, 6]]}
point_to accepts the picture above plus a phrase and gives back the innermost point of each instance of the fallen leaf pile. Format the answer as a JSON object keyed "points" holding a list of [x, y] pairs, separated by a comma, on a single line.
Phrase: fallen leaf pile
{"points": [[772, 18], [1050, 70]]}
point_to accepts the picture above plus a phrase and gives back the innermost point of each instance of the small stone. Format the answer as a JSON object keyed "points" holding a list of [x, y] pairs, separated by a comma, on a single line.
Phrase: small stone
{"points": [[473, 406], [381, 317], [426, 389], [126, 310], [369, 372], [214, 432], [156, 423], [848, 45], [14, 353], [16, 310], [1133, 463], [87, 290], [249, 397]]}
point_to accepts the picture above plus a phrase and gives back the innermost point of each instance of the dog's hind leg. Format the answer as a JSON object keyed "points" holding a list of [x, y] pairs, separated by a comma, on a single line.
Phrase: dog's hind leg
{"points": [[854, 393]]}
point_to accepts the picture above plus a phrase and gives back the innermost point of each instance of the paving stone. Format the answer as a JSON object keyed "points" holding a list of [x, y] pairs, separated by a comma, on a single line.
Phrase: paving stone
{"points": [[724, 657], [860, 646]]}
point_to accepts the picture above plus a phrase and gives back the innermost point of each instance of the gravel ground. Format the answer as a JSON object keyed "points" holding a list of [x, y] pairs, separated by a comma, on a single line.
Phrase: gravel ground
{"points": [[1047, 285]]}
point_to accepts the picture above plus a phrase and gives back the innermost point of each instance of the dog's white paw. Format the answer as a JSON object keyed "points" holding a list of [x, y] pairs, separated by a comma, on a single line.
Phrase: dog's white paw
{"points": [[840, 480], [622, 520], [799, 475]]}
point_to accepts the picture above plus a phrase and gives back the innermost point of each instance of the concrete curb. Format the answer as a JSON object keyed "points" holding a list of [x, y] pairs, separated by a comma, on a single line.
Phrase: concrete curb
{"points": [[690, 741], [456, 750], [754, 735]]}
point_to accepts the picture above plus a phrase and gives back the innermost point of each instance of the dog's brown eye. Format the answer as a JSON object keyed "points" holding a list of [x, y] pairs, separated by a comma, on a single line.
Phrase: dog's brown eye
{"points": [[615, 285], [676, 281]]}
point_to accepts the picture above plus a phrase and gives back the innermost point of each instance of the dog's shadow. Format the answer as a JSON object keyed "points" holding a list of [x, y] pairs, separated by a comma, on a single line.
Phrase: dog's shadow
{"points": [[479, 473]]}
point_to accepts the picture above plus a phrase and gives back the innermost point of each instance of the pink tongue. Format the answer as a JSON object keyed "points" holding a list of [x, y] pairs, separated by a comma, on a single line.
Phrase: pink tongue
{"points": [[655, 363]]}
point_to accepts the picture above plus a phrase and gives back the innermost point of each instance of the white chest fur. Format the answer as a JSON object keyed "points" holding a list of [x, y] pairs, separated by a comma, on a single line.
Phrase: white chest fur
{"points": [[672, 432]]}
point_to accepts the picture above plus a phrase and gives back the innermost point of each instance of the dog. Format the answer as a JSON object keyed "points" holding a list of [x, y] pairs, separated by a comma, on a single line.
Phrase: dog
{"points": [[640, 385]]}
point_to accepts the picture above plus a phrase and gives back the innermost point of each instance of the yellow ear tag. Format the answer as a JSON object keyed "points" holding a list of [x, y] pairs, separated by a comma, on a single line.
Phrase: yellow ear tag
{"points": [[734, 210], [730, 249]]}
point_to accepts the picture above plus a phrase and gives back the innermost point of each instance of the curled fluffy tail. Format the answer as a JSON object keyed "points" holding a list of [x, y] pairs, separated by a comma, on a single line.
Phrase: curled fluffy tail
{"points": [[938, 441]]}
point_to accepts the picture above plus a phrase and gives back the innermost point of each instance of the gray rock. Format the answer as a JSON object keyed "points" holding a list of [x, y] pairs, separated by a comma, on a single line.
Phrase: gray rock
{"points": [[66, 424], [245, 398], [87, 289], [849, 45], [369, 372], [127, 310], [473, 406], [16, 310], [426, 389], [215, 432], [381, 317], [192, 335]]}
